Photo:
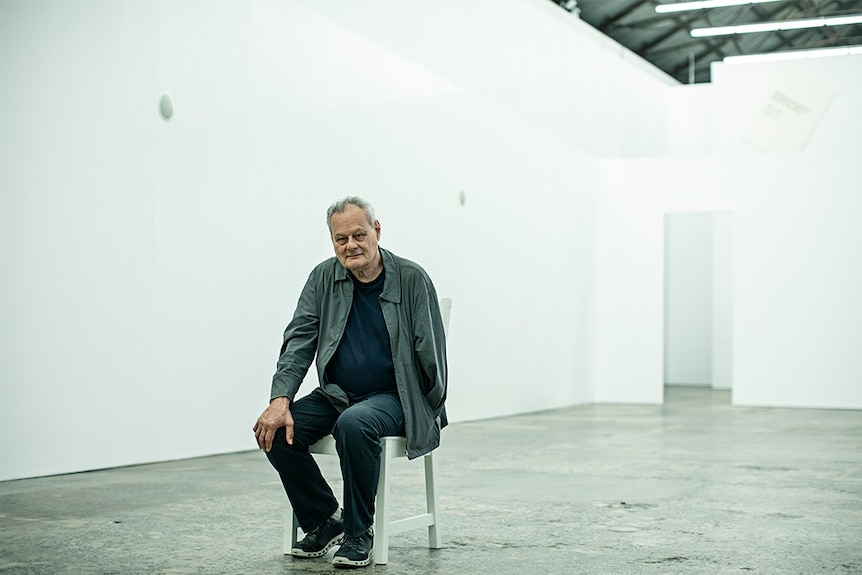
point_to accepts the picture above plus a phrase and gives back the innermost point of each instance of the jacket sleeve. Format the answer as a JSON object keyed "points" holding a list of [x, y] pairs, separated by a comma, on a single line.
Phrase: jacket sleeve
{"points": [[300, 342], [430, 346]]}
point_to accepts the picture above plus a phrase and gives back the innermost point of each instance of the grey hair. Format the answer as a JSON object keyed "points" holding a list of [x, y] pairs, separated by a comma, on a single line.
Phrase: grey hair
{"points": [[341, 205]]}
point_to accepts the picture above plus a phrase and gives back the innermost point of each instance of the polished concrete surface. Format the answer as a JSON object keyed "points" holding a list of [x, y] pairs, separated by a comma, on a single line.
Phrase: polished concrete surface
{"points": [[694, 486]]}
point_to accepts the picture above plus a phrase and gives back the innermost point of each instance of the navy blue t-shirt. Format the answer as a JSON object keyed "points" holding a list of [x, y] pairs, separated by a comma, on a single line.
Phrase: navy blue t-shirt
{"points": [[362, 364]]}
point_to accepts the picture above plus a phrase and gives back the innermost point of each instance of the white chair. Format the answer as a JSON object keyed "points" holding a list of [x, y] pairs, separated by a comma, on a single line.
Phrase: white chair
{"points": [[393, 447]]}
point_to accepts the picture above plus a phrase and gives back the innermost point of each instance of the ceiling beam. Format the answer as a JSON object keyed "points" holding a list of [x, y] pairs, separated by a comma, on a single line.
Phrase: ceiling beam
{"points": [[620, 14]]}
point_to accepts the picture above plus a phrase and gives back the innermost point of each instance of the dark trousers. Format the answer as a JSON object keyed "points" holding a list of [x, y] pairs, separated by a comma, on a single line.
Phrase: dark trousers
{"points": [[357, 432]]}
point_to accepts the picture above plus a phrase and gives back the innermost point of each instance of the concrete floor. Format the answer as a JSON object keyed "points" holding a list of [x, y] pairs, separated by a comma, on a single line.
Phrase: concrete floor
{"points": [[694, 486]]}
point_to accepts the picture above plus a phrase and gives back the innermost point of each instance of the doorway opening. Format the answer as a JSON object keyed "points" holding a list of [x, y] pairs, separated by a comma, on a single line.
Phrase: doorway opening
{"points": [[698, 300]]}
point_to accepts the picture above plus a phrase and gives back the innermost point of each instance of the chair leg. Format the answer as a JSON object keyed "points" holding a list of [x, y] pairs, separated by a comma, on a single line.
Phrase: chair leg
{"points": [[381, 510], [290, 526], [434, 531]]}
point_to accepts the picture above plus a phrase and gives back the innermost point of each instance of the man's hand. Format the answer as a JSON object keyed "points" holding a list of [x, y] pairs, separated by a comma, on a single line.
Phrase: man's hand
{"points": [[275, 416]]}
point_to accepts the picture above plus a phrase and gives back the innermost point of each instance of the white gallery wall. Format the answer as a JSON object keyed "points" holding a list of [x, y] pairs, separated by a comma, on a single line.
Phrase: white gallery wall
{"points": [[150, 266]]}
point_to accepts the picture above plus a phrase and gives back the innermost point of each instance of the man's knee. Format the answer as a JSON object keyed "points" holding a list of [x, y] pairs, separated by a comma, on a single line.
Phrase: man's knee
{"points": [[281, 447]]}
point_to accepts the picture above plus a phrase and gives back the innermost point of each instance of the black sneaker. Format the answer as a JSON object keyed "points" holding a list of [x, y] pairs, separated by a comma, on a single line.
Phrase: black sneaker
{"points": [[319, 541], [355, 551]]}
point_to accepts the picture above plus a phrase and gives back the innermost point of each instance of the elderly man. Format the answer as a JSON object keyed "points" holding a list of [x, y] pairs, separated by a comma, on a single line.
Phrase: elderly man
{"points": [[373, 321]]}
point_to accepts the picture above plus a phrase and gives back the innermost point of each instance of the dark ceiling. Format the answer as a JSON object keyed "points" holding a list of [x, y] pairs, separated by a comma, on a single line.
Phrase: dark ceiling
{"points": [[665, 39]]}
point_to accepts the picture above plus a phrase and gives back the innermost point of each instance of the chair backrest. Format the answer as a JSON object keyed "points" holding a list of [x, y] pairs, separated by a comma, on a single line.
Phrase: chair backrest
{"points": [[445, 311]]}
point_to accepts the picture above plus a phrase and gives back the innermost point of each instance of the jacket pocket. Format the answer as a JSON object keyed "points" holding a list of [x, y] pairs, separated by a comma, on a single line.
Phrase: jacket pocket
{"points": [[435, 397]]}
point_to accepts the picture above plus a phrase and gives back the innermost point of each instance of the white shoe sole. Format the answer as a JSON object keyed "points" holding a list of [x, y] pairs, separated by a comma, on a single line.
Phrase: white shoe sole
{"points": [[345, 562], [297, 552]]}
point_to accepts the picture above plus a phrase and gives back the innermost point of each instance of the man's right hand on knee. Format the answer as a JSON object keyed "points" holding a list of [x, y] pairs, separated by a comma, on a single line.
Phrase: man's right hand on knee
{"points": [[276, 415]]}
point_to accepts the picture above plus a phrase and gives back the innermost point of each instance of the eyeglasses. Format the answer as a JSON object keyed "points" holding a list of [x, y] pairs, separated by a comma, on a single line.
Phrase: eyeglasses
{"points": [[358, 237]]}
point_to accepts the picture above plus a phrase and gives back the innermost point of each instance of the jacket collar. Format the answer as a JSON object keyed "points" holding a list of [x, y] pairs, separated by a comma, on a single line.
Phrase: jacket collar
{"points": [[392, 282]]}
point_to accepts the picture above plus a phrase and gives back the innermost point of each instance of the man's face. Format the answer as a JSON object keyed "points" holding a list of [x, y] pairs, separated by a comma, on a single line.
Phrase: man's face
{"points": [[355, 241]]}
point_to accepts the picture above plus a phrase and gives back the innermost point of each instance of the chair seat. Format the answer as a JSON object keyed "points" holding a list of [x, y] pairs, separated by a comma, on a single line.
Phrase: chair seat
{"points": [[396, 443]]}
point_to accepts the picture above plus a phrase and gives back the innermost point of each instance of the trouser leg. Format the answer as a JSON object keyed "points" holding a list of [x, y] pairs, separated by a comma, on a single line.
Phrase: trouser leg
{"points": [[357, 435], [309, 493]]}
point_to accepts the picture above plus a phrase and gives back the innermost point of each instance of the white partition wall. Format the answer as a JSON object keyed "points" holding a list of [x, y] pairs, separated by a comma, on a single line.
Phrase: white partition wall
{"points": [[629, 289], [798, 320], [797, 278]]}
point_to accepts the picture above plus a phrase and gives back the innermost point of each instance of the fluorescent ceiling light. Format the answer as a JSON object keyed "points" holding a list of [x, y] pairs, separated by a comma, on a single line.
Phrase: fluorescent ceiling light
{"points": [[776, 26], [794, 55], [704, 4]]}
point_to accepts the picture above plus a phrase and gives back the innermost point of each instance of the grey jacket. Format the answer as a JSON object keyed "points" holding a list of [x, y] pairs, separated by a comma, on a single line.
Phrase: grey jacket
{"points": [[412, 315]]}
